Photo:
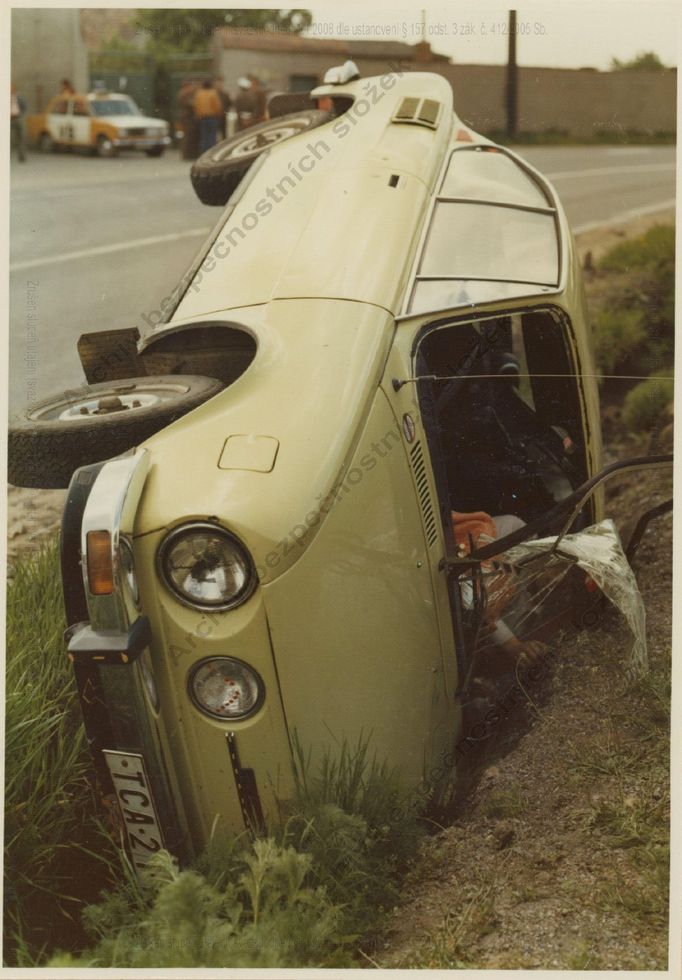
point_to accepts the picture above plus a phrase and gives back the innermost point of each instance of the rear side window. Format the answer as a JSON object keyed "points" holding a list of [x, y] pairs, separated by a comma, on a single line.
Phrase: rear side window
{"points": [[492, 235], [488, 175], [480, 241]]}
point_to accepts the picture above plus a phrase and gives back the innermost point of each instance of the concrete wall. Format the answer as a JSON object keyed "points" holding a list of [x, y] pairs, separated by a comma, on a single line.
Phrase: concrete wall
{"points": [[47, 46], [580, 102]]}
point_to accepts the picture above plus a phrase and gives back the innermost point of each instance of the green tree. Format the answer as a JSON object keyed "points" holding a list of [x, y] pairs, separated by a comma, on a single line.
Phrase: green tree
{"points": [[643, 61], [171, 30]]}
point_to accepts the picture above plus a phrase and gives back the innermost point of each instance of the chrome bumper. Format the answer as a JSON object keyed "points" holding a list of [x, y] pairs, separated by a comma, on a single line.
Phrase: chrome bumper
{"points": [[112, 650], [142, 142]]}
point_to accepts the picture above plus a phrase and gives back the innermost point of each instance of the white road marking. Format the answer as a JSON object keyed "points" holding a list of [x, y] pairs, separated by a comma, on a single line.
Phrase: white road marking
{"points": [[195, 232], [86, 253], [622, 151], [644, 168], [615, 219]]}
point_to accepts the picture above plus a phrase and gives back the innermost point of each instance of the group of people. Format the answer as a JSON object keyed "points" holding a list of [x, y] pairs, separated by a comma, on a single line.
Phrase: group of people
{"points": [[204, 106]]}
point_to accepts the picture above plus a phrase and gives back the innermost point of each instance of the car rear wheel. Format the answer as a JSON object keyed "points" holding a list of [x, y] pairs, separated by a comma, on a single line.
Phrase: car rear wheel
{"points": [[218, 171], [105, 147], [56, 436], [155, 151]]}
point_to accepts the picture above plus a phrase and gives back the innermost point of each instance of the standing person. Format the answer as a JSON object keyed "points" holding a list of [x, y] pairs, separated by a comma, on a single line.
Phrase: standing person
{"points": [[17, 108], [226, 103], [189, 148], [260, 98], [245, 104], [207, 107]]}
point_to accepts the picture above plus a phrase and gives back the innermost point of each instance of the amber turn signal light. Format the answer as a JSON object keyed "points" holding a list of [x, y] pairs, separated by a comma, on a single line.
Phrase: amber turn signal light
{"points": [[100, 563]]}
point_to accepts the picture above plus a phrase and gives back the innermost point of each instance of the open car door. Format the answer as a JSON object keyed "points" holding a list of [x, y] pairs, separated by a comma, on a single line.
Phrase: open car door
{"points": [[507, 401]]}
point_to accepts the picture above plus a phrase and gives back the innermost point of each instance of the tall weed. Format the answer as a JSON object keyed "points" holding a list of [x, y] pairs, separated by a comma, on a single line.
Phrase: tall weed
{"points": [[53, 843]]}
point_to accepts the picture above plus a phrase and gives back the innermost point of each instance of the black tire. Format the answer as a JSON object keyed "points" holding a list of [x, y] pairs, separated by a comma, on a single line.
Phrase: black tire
{"points": [[45, 448], [105, 147], [155, 151], [217, 173]]}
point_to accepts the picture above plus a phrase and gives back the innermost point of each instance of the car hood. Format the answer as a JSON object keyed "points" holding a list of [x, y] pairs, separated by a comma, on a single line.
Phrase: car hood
{"points": [[303, 398]]}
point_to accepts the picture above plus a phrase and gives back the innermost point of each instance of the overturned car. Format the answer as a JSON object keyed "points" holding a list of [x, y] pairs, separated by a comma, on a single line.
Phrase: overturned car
{"points": [[299, 507]]}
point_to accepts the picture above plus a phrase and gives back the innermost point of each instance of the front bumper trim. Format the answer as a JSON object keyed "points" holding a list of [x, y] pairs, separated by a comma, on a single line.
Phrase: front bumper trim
{"points": [[88, 646]]}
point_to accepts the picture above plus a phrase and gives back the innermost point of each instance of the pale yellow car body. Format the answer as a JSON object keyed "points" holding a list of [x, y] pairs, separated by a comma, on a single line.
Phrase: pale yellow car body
{"points": [[350, 626]]}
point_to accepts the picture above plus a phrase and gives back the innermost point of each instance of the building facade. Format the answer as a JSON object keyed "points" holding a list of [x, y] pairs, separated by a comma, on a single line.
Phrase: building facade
{"points": [[47, 46]]}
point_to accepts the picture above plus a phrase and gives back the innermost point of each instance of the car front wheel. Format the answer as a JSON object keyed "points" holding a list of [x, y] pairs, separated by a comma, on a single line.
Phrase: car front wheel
{"points": [[105, 147]]}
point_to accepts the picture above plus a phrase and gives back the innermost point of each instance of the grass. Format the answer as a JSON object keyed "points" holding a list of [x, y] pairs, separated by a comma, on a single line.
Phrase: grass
{"points": [[555, 136], [583, 958], [51, 834], [633, 819], [505, 803], [451, 946], [634, 325]]}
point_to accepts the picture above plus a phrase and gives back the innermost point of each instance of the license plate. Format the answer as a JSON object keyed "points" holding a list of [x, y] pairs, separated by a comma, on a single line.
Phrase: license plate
{"points": [[136, 804]]}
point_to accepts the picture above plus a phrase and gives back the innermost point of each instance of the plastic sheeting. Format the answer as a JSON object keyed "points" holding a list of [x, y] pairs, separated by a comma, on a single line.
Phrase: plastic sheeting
{"points": [[518, 585]]}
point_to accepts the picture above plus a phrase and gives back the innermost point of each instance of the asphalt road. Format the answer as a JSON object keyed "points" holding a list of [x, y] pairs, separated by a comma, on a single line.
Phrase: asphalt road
{"points": [[98, 244]]}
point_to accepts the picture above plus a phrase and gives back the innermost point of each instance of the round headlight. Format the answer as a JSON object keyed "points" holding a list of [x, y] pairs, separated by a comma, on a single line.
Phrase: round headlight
{"points": [[206, 567], [225, 688], [127, 565]]}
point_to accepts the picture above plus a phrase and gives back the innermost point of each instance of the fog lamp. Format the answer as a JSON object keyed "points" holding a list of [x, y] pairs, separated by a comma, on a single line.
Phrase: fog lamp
{"points": [[225, 688]]}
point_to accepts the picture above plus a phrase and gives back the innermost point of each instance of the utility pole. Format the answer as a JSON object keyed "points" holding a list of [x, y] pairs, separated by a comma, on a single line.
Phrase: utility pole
{"points": [[512, 78]]}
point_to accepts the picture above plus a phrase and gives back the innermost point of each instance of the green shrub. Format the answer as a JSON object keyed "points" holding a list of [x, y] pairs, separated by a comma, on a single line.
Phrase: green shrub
{"points": [[634, 328], [645, 403], [268, 915], [619, 338]]}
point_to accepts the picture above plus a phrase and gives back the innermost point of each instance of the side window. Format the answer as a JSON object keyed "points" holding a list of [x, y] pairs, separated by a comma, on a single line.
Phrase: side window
{"points": [[492, 234], [80, 108], [58, 108]]}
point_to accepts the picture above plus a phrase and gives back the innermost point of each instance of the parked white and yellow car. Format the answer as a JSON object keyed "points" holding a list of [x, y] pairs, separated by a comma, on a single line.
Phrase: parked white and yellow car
{"points": [[99, 122], [272, 558]]}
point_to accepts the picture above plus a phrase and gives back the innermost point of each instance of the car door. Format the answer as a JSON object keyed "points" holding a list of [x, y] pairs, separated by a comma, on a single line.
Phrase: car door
{"points": [[80, 122], [58, 121], [505, 399]]}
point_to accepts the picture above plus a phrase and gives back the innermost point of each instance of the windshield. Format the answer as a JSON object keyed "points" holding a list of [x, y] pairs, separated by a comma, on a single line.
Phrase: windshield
{"points": [[114, 107]]}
